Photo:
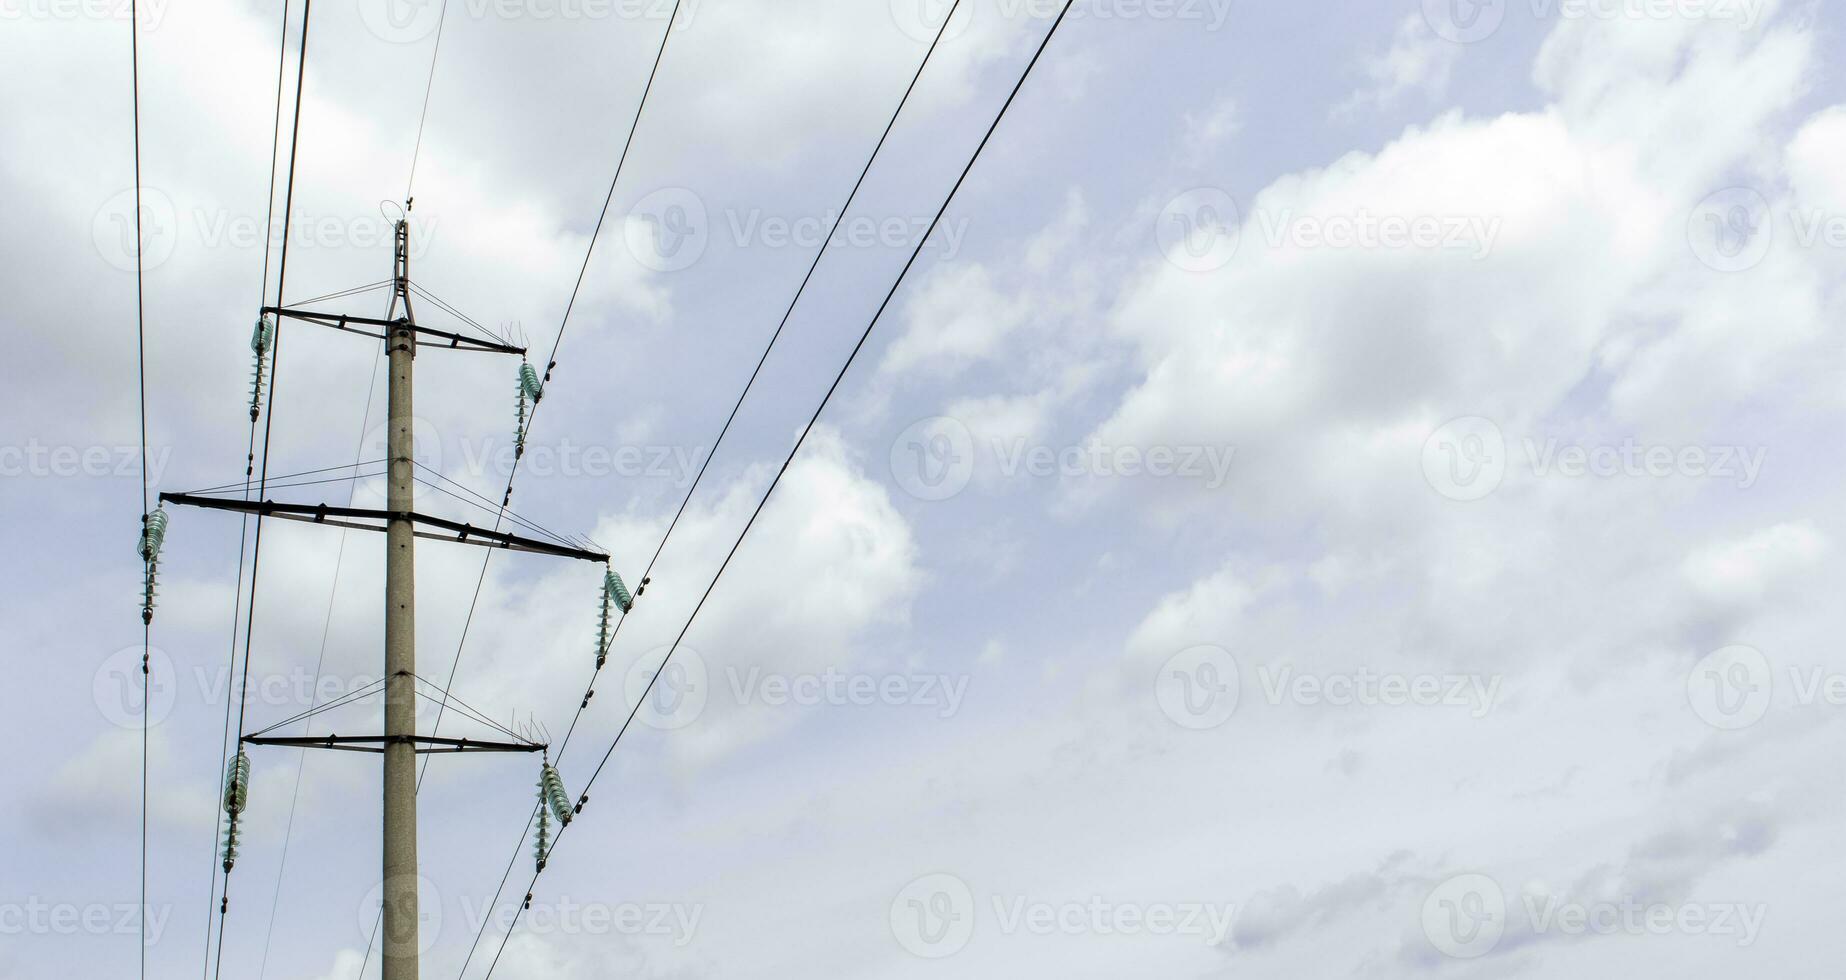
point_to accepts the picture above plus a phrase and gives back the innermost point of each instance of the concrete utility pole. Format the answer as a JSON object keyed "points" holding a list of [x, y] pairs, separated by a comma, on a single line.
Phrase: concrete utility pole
{"points": [[400, 743], [399, 927]]}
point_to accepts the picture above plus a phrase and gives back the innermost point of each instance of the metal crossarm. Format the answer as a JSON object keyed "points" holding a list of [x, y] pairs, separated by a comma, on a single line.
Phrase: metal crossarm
{"points": [[354, 324], [425, 744], [365, 519]]}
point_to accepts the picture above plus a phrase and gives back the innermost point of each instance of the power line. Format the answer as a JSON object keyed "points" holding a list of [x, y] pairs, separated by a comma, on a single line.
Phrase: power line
{"points": [[795, 450], [584, 702], [275, 353], [147, 624], [428, 87], [788, 313]]}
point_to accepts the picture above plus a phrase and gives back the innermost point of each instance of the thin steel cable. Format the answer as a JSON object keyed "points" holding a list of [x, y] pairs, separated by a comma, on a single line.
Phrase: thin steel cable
{"points": [[256, 549], [428, 87], [787, 314], [342, 294], [358, 694], [290, 476], [147, 628], [522, 523], [795, 450]]}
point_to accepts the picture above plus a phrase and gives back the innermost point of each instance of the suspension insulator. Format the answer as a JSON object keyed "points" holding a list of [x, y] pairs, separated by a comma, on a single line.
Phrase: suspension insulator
{"points": [[551, 790], [614, 595], [527, 393], [236, 798], [541, 846], [616, 589], [153, 535], [262, 341], [603, 634]]}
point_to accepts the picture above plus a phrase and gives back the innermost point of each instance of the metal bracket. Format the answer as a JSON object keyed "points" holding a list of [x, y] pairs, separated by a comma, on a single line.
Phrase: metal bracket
{"points": [[361, 519]]}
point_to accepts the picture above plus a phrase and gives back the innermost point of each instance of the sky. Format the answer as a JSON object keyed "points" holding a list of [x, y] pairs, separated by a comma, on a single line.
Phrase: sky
{"points": [[1341, 493]]}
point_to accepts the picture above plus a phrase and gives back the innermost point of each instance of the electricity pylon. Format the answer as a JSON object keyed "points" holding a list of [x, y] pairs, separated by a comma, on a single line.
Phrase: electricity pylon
{"points": [[402, 526]]}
